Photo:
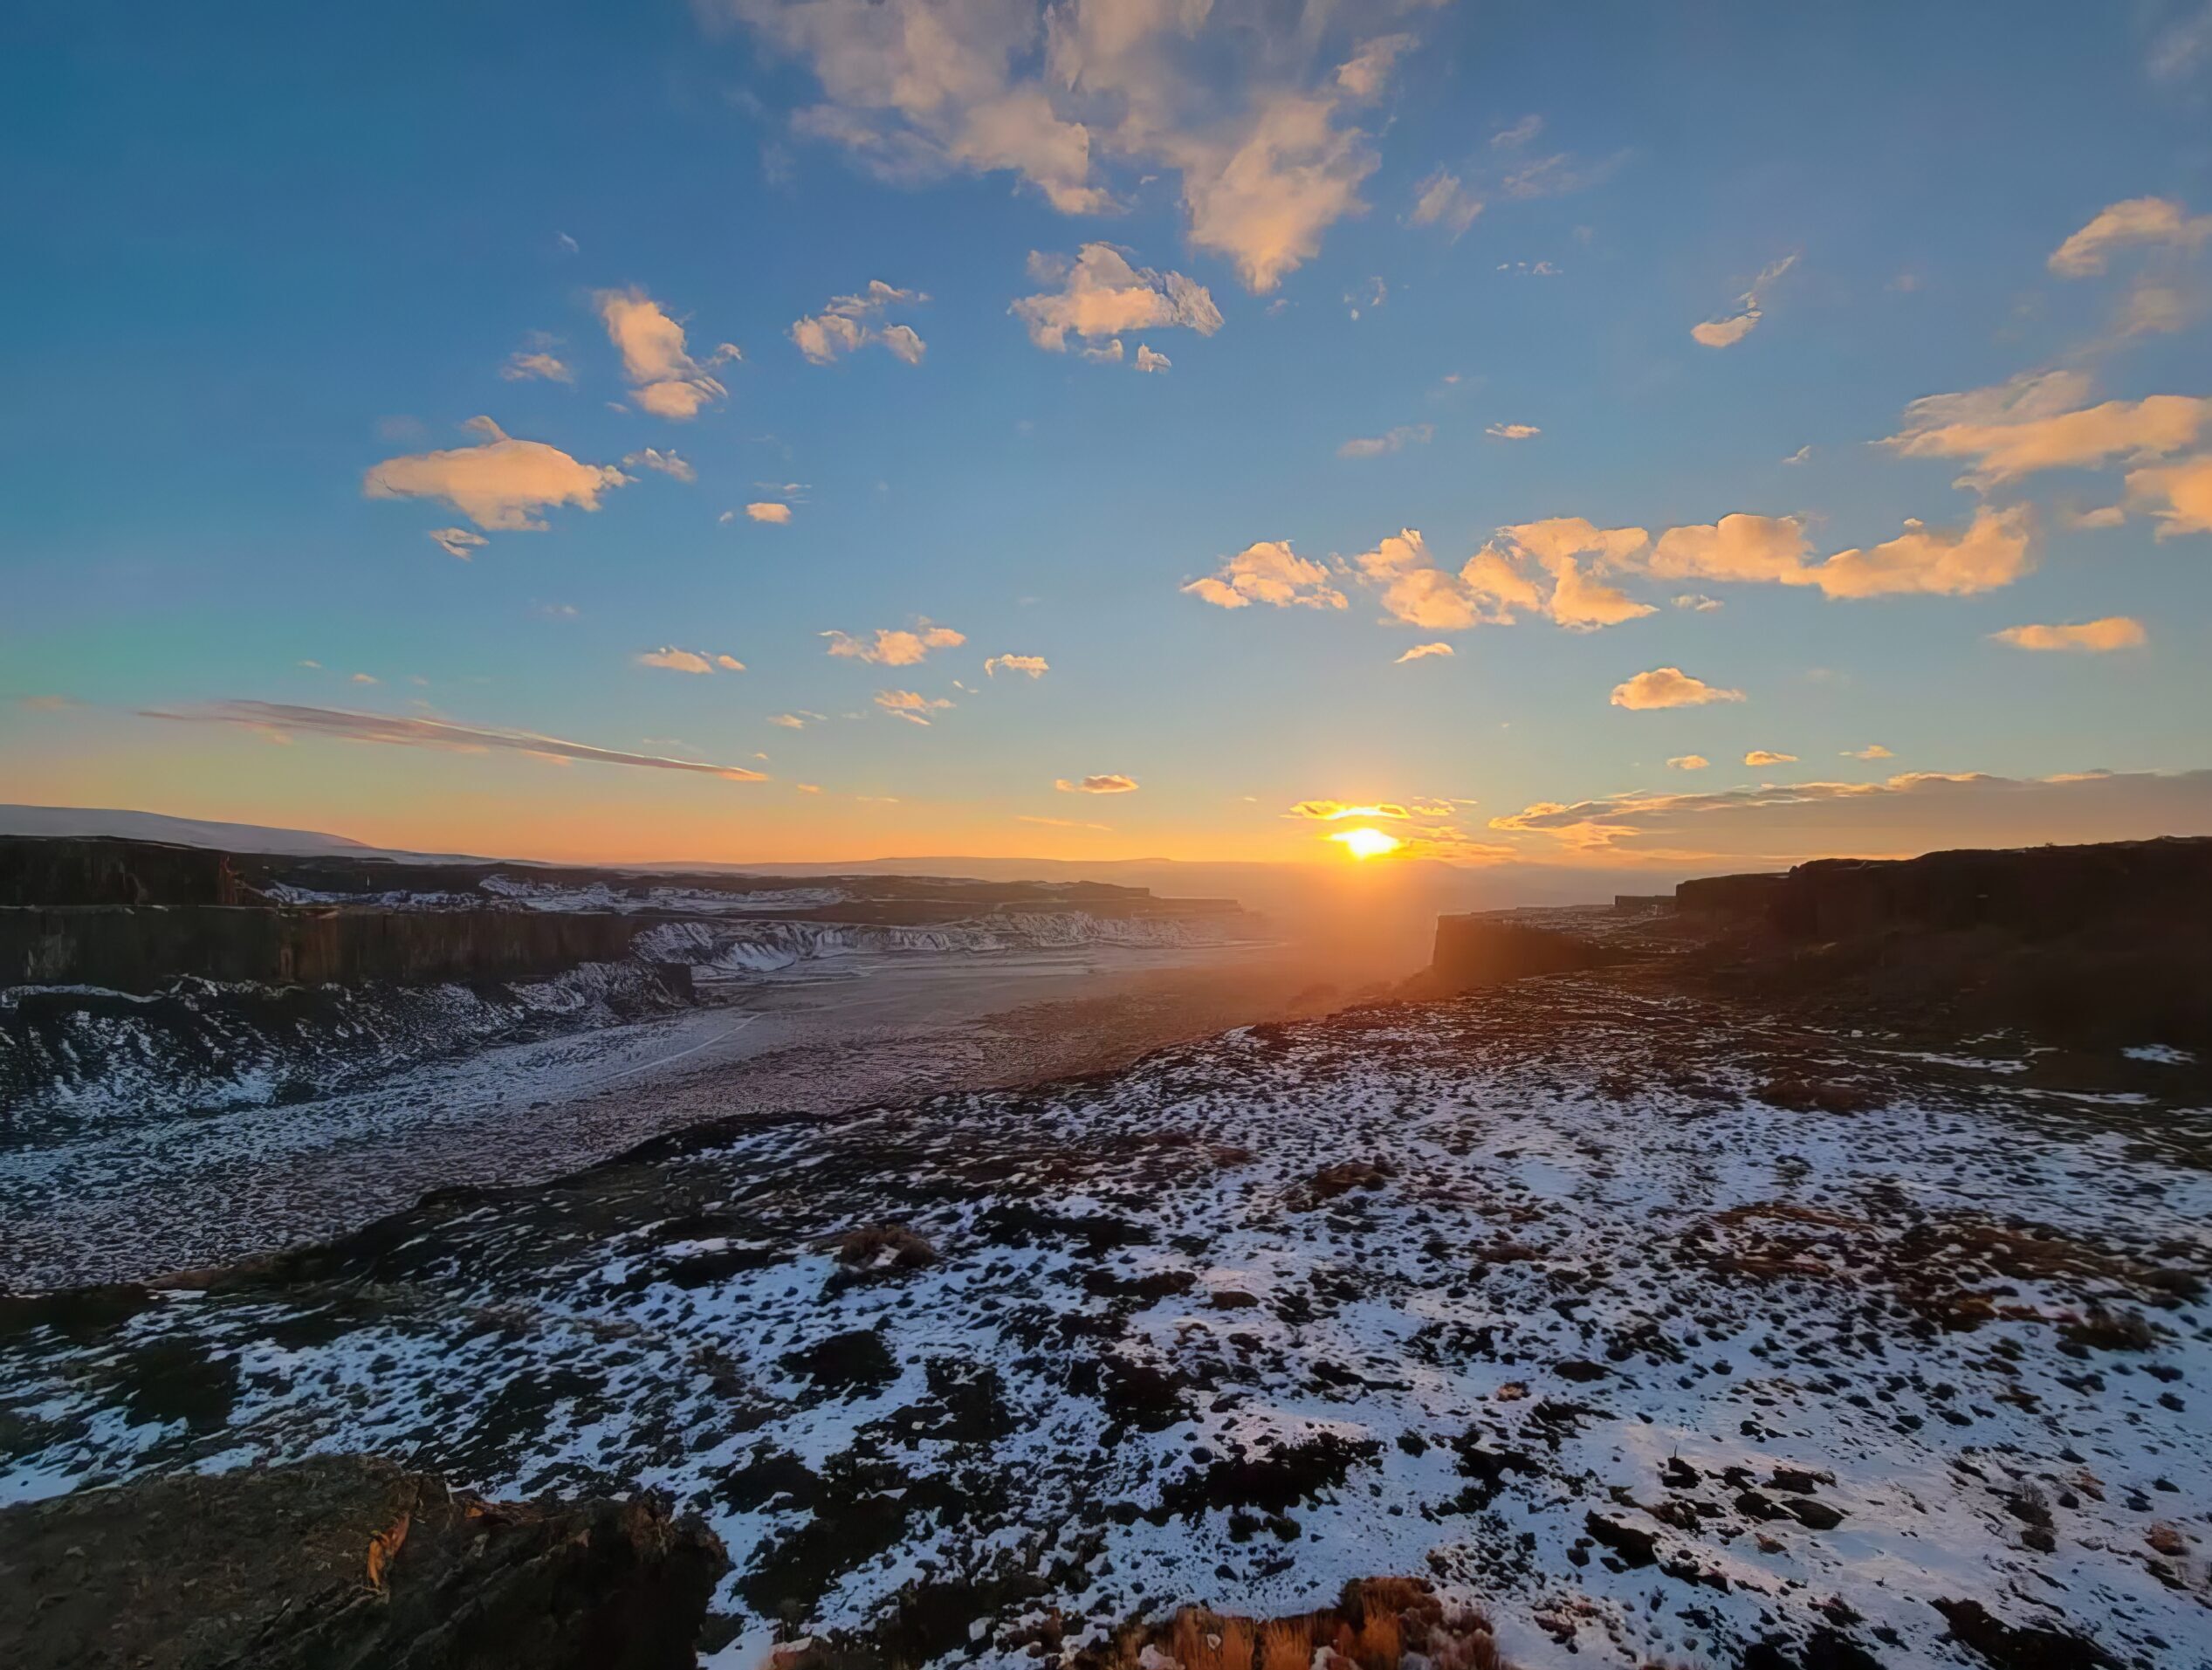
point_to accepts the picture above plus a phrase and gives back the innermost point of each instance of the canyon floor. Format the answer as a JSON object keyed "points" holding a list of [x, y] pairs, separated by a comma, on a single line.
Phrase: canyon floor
{"points": [[135, 1194], [1665, 1331]]}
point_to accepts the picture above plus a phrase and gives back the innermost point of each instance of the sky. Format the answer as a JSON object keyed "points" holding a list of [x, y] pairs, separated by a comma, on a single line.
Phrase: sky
{"points": [[821, 430]]}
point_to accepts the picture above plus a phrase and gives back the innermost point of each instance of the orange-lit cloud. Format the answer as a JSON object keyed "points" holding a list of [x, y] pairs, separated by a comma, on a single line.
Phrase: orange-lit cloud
{"points": [[768, 510], [1098, 293], [1512, 431], [910, 705], [1777, 824], [1993, 550], [1111, 782], [849, 323], [1035, 666], [1872, 751], [896, 647], [1376, 445], [2138, 221], [2037, 421], [1422, 652], [664, 379], [1267, 571], [2179, 495], [1668, 687], [1688, 762], [1336, 811], [1727, 333], [1767, 757], [289, 720], [525, 364], [672, 659], [500, 483], [2113, 632], [1267, 161]]}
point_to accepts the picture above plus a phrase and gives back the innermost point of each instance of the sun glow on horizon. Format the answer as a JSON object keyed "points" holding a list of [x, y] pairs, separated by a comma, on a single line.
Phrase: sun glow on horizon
{"points": [[1367, 843]]}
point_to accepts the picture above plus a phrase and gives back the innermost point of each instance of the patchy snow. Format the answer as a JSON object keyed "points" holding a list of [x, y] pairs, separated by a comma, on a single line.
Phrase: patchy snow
{"points": [[1530, 1292], [2164, 1054]]}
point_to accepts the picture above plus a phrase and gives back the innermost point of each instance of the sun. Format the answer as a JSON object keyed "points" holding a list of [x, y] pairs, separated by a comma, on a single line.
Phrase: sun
{"points": [[1367, 843]]}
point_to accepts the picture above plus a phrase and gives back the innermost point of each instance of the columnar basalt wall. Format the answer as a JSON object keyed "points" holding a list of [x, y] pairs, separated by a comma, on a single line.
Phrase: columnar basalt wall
{"points": [[139, 949], [1474, 951]]}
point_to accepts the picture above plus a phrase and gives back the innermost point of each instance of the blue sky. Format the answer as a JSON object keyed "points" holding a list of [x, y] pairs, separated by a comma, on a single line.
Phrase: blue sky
{"points": [[255, 258]]}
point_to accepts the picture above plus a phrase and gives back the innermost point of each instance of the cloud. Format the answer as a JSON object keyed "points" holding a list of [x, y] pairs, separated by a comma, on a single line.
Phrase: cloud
{"points": [[500, 483], [1688, 762], [1111, 782], [689, 661], [1035, 666], [1992, 551], [1726, 332], [1512, 431], [1266, 572], [2183, 49], [893, 647], [2179, 494], [2102, 516], [1391, 441], [1520, 134], [1336, 811], [524, 364], [849, 323], [1442, 200], [1560, 174], [1422, 652], [1872, 751], [767, 511], [2113, 632], [1060, 823], [1668, 687], [1254, 120], [1767, 757], [669, 463], [1802, 455], [457, 542], [910, 705], [2154, 221], [1148, 361], [1698, 602], [2036, 421], [1099, 294], [286, 720], [1778, 824], [664, 379]]}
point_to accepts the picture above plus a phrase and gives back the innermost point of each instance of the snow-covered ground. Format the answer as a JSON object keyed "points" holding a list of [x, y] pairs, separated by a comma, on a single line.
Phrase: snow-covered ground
{"points": [[1532, 1293]]}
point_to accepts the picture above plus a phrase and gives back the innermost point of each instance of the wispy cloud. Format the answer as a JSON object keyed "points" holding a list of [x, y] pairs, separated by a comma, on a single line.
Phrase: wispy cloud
{"points": [[2155, 222], [1111, 782], [670, 659], [1421, 652], [667, 464], [2038, 421], [1512, 431], [909, 705], [1751, 305], [289, 720], [1391, 441], [1035, 666]]}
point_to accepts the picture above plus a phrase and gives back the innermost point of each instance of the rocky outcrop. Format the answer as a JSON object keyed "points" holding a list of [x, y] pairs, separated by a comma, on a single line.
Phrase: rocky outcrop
{"points": [[1478, 949], [346, 1564], [127, 948]]}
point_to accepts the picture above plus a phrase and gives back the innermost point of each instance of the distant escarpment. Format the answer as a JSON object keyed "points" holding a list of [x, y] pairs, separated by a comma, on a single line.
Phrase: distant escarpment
{"points": [[2106, 944]]}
